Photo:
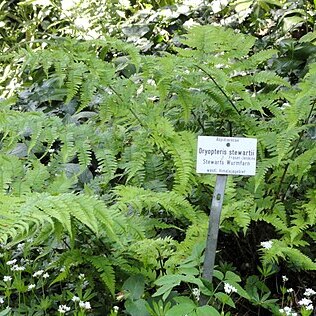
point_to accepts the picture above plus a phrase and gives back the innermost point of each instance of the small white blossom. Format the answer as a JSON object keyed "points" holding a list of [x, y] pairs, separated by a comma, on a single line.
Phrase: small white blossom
{"points": [[309, 292], [124, 4], [63, 309], [85, 305], [31, 287], [190, 23], [267, 244], [20, 246], [196, 292], [116, 309], [229, 288], [38, 273], [309, 307], [7, 278], [290, 290], [45, 275], [17, 268], [12, 262], [287, 311], [284, 278], [218, 5], [81, 276], [82, 23], [140, 90], [1, 300], [75, 298], [67, 5], [151, 82], [305, 302]]}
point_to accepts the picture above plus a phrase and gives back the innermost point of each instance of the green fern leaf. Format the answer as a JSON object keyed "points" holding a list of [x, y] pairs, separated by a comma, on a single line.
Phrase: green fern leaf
{"points": [[104, 267]]}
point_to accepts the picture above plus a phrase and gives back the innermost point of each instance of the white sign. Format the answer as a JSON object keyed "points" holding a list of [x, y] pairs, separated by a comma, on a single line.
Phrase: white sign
{"points": [[226, 155]]}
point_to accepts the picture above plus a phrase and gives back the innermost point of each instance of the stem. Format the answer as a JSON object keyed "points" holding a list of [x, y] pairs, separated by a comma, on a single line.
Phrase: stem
{"points": [[221, 89], [132, 111]]}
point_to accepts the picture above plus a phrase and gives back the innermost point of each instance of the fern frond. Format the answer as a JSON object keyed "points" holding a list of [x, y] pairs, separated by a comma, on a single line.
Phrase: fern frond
{"points": [[137, 200], [104, 267], [262, 168], [84, 153], [281, 250], [107, 163], [267, 77], [213, 39], [74, 79]]}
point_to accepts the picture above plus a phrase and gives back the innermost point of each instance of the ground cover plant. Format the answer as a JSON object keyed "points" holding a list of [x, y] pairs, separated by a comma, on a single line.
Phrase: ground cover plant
{"points": [[102, 212]]}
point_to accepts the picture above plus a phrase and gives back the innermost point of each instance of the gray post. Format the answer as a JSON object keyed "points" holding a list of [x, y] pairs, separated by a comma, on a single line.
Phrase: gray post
{"points": [[212, 235]]}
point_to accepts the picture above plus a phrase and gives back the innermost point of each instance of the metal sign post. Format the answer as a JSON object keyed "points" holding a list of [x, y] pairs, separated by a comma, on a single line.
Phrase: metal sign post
{"points": [[213, 227], [222, 156]]}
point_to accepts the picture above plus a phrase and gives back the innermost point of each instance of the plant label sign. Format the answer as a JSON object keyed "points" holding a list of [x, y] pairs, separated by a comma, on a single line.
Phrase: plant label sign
{"points": [[226, 155]]}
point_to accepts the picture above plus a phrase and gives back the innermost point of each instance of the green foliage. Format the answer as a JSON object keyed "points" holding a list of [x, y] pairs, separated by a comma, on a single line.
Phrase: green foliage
{"points": [[98, 149]]}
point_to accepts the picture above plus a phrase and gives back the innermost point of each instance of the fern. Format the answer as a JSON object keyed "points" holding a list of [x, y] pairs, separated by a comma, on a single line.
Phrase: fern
{"points": [[104, 267], [280, 250], [37, 210], [140, 199]]}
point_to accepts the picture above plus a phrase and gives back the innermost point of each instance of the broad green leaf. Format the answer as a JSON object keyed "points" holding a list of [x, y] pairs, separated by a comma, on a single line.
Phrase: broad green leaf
{"points": [[225, 299]]}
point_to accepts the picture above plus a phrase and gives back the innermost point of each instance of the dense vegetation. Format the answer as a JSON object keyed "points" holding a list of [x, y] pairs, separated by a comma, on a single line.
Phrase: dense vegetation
{"points": [[102, 211]]}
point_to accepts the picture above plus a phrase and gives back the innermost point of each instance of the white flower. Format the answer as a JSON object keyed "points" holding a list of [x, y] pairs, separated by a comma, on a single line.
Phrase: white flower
{"points": [[20, 246], [124, 4], [229, 288], [190, 23], [290, 290], [12, 262], [67, 5], [31, 287], [305, 302], [309, 292], [38, 273], [81, 276], [75, 298], [140, 90], [116, 309], [1, 300], [151, 82], [267, 244], [7, 278], [287, 311], [284, 277], [309, 307], [196, 292], [218, 5], [82, 23], [17, 268], [85, 305], [63, 309], [45, 275]]}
